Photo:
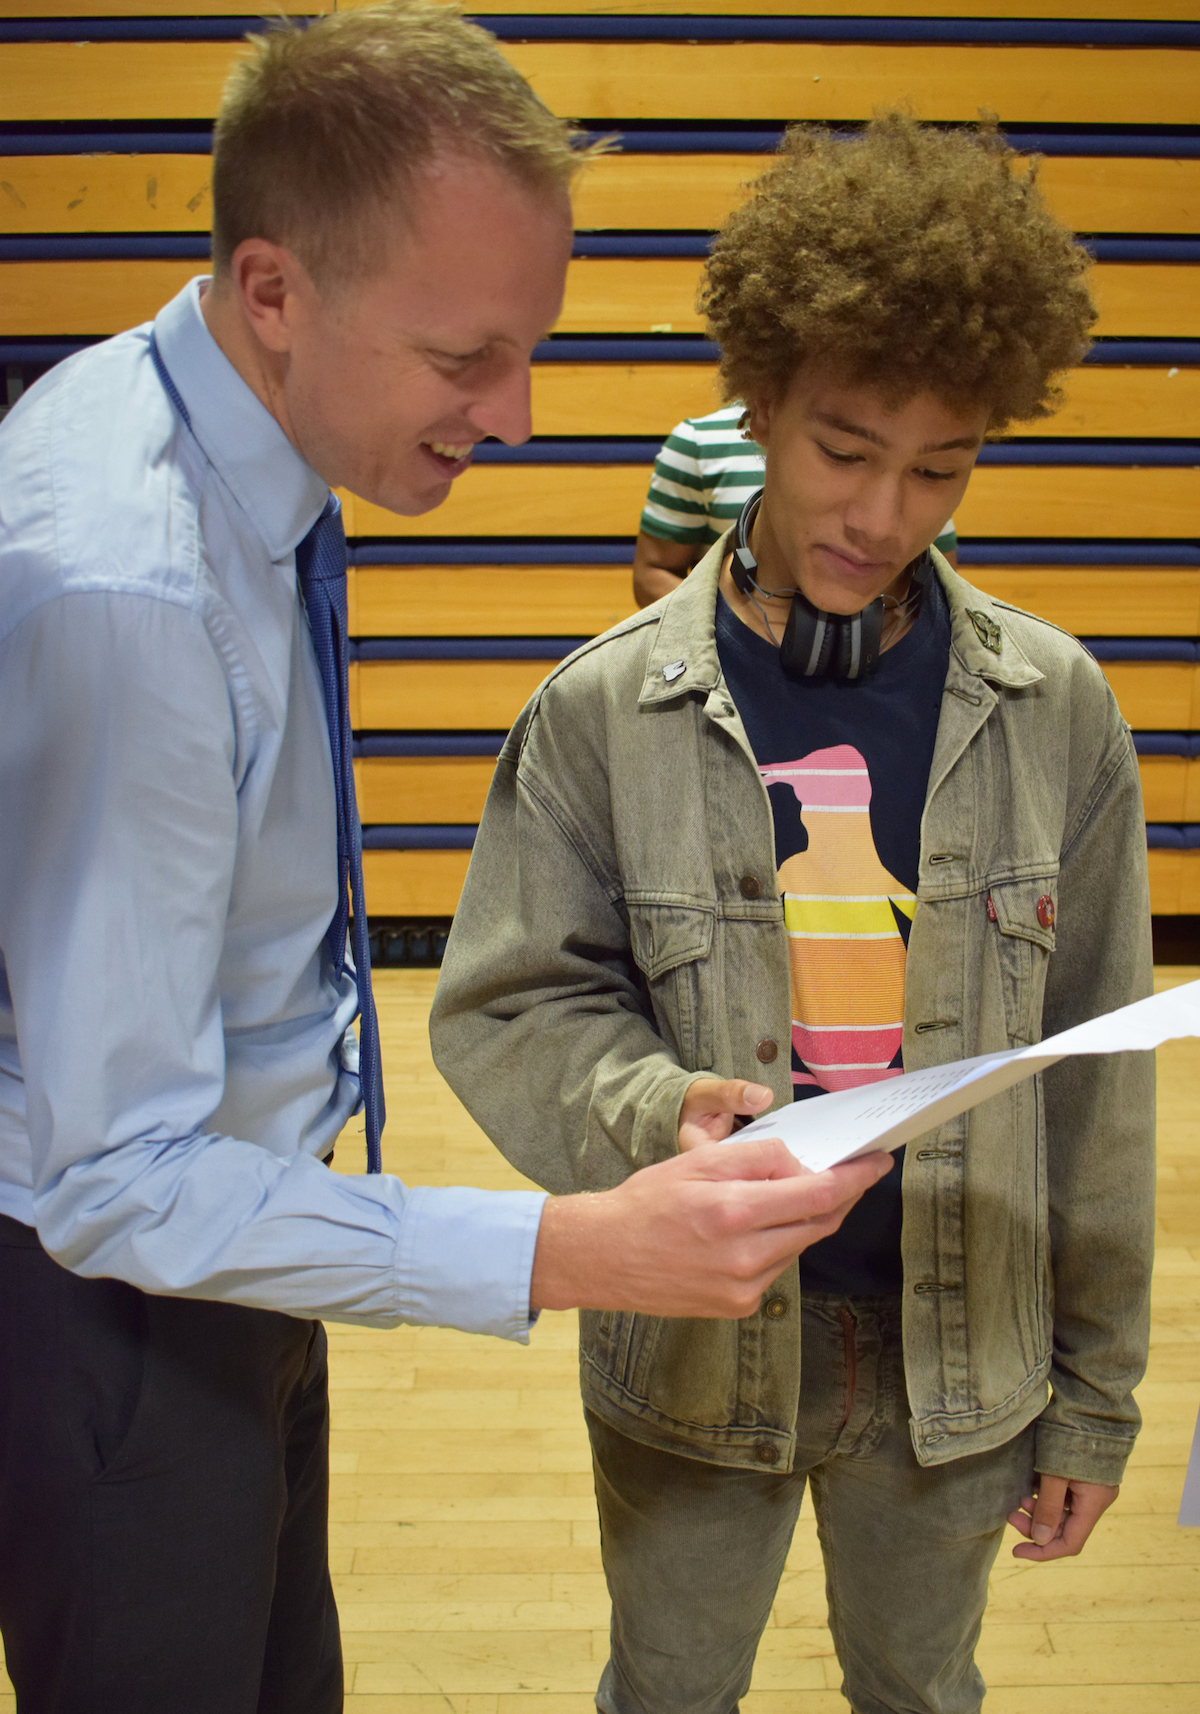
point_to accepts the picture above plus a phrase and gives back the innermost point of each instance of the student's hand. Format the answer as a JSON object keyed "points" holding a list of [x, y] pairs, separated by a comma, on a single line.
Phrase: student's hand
{"points": [[703, 1234], [1060, 1517], [711, 1105]]}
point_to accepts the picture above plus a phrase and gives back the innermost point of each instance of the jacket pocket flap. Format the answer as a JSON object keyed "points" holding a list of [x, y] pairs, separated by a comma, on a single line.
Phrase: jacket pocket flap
{"points": [[1027, 909], [666, 936]]}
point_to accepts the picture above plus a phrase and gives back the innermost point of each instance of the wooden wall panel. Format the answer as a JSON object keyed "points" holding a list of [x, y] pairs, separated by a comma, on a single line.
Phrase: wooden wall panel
{"points": [[1089, 193], [606, 500], [1155, 696], [604, 295], [1100, 601], [169, 193], [414, 883], [1102, 400], [457, 696], [1166, 880], [437, 789], [668, 80], [1164, 786], [105, 193], [491, 601]]}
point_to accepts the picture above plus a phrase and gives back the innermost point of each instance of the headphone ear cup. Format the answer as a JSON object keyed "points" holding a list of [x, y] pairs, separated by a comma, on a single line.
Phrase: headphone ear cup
{"points": [[869, 625], [809, 638]]}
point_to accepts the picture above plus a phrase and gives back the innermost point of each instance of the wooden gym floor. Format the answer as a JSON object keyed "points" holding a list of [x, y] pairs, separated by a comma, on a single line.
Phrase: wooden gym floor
{"points": [[464, 1539]]}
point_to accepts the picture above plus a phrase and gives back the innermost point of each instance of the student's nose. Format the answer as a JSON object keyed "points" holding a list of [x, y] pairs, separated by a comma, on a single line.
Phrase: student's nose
{"points": [[875, 513]]}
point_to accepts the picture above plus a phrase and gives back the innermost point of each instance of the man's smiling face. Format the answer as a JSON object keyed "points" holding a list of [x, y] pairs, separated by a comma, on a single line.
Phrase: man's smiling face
{"points": [[855, 490], [388, 384]]}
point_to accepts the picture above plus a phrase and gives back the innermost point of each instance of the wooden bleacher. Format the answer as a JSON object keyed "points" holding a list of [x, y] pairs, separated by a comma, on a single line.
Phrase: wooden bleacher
{"points": [[1090, 519]]}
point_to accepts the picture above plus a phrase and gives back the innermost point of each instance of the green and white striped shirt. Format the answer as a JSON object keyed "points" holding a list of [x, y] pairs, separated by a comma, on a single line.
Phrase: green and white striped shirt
{"points": [[703, 477]]}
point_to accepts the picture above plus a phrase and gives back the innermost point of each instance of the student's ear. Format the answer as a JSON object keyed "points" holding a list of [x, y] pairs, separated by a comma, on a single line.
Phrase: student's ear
{"points": [[758, 421]]}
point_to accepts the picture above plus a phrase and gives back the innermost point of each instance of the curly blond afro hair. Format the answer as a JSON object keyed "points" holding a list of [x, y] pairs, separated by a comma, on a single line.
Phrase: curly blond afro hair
{"points": [[908, 258]]}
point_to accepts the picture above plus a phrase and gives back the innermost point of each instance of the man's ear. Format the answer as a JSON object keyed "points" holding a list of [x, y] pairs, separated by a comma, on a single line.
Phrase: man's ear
{"points": [[271, 286]]}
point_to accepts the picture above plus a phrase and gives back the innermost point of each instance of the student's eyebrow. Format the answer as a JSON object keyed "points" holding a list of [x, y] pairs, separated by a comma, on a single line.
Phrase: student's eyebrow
{"points": [[966, 444], [846, 427]]}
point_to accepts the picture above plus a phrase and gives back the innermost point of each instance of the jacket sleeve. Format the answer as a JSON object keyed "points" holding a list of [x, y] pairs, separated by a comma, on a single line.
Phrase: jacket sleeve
{"points": [[1100, 1135], [541, 1023]]}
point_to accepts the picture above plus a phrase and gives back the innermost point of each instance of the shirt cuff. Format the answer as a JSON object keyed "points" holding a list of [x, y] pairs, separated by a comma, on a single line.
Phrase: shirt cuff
{"points": [[466, 1259], [1080, 1456]]}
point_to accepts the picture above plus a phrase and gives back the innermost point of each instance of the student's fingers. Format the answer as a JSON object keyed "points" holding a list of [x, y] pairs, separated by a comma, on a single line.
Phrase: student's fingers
{"points": [[1082, 1506], [711, 1106]]}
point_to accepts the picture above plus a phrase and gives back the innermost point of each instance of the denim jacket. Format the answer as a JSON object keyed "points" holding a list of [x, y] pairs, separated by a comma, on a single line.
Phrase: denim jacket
{"points": [[621, 933]]}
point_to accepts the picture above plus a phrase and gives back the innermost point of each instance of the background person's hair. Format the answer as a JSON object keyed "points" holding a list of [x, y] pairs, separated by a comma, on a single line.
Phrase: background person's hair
{"points": [[907, 257], [325, 130]]}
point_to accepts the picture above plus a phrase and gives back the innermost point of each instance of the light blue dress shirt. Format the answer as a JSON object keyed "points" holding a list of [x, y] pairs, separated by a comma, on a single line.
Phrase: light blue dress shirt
{"points": [[175, 1050]]}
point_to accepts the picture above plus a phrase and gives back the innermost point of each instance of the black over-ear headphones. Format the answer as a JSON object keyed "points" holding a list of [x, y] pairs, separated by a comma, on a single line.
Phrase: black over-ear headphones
{"points": [[816, 644]]}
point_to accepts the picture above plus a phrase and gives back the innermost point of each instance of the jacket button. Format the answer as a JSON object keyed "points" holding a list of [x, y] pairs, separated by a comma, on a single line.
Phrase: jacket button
{"points": [[775, 1307], [766, 1453], [767, 1050], [1045, 911], [750, 887]]}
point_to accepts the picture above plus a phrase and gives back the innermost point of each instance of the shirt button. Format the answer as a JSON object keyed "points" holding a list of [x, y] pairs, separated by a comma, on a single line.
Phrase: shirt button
{"points": [[750, 886], [1045, 911], [767, 1050], [775, 1307], [766, 1453]]}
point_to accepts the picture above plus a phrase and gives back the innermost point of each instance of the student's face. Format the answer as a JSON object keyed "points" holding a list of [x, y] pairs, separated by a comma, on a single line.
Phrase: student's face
{"points": [[388, 384], [855, 491]]}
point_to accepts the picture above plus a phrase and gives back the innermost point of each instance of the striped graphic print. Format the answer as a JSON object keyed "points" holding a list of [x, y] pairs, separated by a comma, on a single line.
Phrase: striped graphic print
{"points": [[842, 910]]}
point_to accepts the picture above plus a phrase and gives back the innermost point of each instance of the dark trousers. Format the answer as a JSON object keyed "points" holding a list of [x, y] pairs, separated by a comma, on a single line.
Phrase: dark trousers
{"points": [[164, 1480]]}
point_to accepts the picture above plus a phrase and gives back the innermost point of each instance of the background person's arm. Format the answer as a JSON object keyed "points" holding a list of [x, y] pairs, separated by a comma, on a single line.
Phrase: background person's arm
{"points": [[659, 566]]}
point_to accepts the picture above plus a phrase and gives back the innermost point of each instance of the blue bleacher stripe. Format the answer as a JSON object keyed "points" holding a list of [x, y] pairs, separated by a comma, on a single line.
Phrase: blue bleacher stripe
{"points": [[121, 247], [1162, 837], [1168, 454], [1142, 648], [1185, 744], [58, 139], [497, 553], [419, 838], [574, 27], [425, 744], [1134, 553], [467, 648]]}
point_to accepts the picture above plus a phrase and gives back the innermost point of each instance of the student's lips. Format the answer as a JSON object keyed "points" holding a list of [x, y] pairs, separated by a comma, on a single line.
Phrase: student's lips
{"points": [[451, 457], [865, 569]]}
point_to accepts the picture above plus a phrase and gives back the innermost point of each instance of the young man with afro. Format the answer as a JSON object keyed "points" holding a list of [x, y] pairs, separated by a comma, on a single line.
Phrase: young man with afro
{"points": [[823, 813]]}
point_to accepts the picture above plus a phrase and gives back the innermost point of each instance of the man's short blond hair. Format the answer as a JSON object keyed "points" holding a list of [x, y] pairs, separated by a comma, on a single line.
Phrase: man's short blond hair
{"points": [[324, 131]]}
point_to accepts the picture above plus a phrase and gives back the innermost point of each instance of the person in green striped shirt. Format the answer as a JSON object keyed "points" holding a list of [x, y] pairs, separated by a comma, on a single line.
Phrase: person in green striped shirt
{"points": [[703, 476]]}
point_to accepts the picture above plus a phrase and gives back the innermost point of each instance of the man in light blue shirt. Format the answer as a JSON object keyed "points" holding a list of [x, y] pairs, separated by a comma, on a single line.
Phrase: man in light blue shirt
{"points": [[176, 1049]]}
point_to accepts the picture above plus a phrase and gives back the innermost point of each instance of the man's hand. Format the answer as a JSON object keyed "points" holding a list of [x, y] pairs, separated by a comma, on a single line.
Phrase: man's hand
{"points": [[1060, 1517], [703, 1234], [711, 1106]]}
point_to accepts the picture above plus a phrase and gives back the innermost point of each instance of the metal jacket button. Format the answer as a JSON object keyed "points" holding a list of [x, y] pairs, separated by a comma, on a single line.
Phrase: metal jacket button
{"points": [[766, 1453], [767, 1050], [750, 886], [1045, 910], [775, 1307]]}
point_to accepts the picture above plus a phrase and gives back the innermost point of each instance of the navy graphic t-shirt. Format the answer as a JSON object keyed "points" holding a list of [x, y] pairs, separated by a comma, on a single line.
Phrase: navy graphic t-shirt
{"points": [[846, 768]]}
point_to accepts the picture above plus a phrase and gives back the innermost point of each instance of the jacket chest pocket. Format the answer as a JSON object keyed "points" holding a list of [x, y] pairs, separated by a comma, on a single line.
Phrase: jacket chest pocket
{"points": [[1024, 915], [672, 947]]}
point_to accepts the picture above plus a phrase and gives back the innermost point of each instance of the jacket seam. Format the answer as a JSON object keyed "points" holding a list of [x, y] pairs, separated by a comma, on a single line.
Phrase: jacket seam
{"points": [[1118, 757]]}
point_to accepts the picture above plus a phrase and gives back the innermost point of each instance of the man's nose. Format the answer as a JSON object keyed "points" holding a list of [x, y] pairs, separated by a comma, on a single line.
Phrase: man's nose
{"points": [[505, 409]]}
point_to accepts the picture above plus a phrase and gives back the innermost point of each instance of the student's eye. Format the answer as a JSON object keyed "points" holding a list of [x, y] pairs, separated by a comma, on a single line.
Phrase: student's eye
{"points": [[938, 475], [836, 457]]}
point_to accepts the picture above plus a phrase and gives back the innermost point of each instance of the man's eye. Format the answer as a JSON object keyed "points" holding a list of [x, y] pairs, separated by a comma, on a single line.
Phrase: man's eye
{"points": [[938, 475], [840, 457]]}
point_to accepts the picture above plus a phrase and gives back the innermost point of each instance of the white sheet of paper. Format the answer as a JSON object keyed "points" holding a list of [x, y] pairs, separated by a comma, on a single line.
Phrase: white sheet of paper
{"points": [[831, 1128], [1189, 1506]]}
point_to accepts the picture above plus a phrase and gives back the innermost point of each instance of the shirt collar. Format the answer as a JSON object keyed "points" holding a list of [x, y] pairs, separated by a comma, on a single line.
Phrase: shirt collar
{"points": [[282, 495]]}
